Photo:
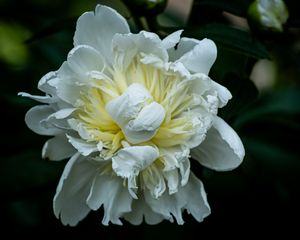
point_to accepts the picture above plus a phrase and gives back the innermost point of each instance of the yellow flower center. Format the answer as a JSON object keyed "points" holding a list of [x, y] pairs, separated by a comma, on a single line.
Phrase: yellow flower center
{"points": [[166, 88]]}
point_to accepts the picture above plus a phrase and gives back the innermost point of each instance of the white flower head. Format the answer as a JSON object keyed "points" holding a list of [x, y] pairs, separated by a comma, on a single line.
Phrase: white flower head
{"points": [[130, 110]]}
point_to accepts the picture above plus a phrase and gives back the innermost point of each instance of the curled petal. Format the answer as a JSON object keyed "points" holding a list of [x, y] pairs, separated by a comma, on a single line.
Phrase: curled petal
{"points": [[222, 150], [35, 118], [69, 202], [201, 58]]}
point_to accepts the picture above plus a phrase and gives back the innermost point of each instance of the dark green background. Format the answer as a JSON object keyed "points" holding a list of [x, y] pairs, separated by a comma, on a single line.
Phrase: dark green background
{"points": [[260, 197]]}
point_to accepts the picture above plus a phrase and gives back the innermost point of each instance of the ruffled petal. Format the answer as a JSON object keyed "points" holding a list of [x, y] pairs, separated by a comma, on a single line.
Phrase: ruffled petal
{"points": [[173, 205], [222, 150], [141, 211], [69, 202], [36, 119], [130, 161], [201, 58], [127, 46], [97, 30], [58, 148], [108, 190]]}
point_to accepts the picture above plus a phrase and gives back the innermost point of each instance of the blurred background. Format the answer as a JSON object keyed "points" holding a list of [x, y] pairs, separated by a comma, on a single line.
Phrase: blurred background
{"points": [[257, 62]]}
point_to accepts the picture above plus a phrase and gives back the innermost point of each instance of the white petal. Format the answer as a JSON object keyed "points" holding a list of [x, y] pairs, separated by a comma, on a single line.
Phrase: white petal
{"points": [[69, 202], [131, 160], [172, 39], [201, 58], [144, 126], [108, 190], [125, 107], [140, 210], [62, 113], [97, 30], [185, 45], [222, 149], [58, 148], [149, 118], [82, 146], [184, 168], [44, 84], [35, 118], [174, 205], [223, 94], [172, 180], [196, 205], [74, 74], [83, 59], [137, 122], [41, 99], [146, 43], [154, 181]]}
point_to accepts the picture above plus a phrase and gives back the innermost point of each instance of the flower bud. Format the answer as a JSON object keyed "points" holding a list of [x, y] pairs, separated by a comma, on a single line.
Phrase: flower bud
{"points": [[268, 15]]}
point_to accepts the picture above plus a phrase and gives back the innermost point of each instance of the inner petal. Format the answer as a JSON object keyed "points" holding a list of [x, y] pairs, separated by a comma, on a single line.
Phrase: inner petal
{"points": [[136, 113]]}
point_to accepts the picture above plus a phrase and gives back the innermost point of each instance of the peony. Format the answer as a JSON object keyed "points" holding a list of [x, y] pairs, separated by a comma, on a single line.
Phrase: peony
{"points": [[129, 110]]}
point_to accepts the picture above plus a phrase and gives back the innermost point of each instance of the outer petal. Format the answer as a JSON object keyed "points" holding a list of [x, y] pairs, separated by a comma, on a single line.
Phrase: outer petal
{"points": [[191, 197], [222, 149], [201, 58], [74, 73], [108, 190], [97, 30], [44, 84], [172, 39], [130, 161], [69, 202], [58, 148], [185, 45], [37, 116], [140, 210], [223, 94]]}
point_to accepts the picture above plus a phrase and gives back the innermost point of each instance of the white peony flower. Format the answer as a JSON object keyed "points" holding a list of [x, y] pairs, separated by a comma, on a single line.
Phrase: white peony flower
{"points": [[130, 110]]}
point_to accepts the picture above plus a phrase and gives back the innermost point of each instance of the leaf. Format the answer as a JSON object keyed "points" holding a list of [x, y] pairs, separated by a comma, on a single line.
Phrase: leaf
{"points": [[231, 38], [283, 103], [237, 7]]}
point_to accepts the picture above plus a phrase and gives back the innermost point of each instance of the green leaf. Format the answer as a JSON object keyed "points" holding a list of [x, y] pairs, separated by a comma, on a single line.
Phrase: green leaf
{"points": [[231, 38], [283, 103], [237, 7]]}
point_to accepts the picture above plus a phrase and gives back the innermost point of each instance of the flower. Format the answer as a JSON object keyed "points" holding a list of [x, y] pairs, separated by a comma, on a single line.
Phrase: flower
{"points": [[130, 110]]}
